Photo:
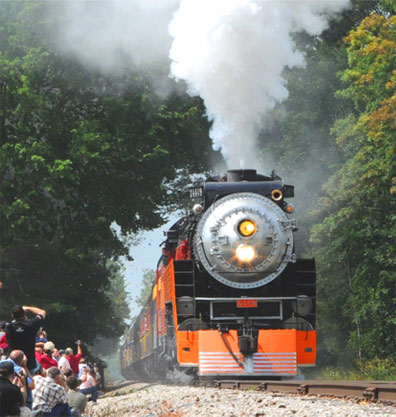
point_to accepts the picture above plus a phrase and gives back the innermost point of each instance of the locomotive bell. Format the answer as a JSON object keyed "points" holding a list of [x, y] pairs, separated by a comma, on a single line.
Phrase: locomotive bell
{"points": [[244, 240]]}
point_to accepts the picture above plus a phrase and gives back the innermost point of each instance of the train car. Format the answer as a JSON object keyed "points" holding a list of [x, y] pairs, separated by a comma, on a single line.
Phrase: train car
{"points": [[230, 299]]}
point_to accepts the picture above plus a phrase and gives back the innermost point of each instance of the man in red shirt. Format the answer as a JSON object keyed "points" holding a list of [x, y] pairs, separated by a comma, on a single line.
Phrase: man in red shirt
{"points": [[45, 359], [74, 360]]}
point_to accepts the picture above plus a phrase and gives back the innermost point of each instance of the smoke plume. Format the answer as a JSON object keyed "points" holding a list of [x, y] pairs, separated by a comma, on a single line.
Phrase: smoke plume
{"points": [[232, 54], [111, 34], [229, 52]]}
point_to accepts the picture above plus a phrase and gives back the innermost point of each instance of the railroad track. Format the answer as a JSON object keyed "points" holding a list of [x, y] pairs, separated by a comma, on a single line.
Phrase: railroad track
{"points": [[366, 390], [382, 391]]}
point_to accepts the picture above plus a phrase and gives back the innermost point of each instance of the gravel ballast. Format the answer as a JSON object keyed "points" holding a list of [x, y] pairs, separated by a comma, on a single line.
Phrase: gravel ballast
{"points": [[181, 401]]}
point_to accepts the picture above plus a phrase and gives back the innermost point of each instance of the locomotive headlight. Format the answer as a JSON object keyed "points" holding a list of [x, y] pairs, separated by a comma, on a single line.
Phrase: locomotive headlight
{"points": [[246, 228], [245, 253], [277, 195]]}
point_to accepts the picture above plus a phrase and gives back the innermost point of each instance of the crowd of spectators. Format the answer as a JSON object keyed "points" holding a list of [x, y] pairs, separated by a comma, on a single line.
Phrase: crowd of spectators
{"points": [[36, 378]]}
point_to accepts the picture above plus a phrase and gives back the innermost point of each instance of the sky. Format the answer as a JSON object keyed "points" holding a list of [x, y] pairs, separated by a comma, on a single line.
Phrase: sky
{"points": [[145, 256]]}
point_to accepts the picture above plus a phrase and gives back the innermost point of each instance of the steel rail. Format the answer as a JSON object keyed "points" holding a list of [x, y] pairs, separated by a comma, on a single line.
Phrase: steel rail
{"points": [[383, 391]]}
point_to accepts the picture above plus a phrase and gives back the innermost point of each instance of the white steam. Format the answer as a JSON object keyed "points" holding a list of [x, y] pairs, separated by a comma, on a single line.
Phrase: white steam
{"points": [[110, 34], [232, 54]]}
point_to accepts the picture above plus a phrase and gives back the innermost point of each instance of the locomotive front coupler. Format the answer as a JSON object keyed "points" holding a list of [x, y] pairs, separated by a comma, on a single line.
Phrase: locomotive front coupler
{"points": [[247, 338]]}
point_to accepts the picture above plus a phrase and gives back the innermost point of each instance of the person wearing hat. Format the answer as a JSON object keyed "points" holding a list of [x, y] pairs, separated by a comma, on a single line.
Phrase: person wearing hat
{"points": [[45, 359], [21, 332], [12, 391], [63, 362]]}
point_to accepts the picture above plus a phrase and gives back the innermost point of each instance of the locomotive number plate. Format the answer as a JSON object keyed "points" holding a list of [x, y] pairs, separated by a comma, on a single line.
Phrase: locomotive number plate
{"points": [[247, 303]]}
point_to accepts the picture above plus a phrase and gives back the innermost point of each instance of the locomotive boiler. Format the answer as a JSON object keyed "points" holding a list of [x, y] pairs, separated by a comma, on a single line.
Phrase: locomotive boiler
{"points": [[230, 298]]}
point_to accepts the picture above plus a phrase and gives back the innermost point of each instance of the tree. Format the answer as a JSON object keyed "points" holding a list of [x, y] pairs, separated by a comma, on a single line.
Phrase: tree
{"points": [[148, 280], [79, 151], [300, 144], [356, 236]]}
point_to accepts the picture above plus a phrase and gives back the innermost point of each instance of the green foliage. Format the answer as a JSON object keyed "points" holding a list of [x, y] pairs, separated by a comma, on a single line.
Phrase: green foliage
{"points": [[301, 145], [374, 369], [147, 284], [80, 150], [334, 139], [356, 236]]}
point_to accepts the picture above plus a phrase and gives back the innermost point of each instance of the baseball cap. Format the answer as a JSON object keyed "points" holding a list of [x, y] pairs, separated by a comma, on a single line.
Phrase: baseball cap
{"points": [[49, 346], [17, 368], [6, 367]]}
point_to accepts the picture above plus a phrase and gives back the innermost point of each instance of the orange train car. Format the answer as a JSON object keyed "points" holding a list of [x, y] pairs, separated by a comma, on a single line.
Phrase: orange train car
{"points": [[231, 298]]}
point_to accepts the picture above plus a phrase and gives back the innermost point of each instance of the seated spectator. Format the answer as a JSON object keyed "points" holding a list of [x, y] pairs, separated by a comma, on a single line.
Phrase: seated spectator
{"points": [[77, 401], [49, 395], [68, 373], [74, 360], [45, 359], [63, 363], [12, 392], [20, 360], [88, 385]]}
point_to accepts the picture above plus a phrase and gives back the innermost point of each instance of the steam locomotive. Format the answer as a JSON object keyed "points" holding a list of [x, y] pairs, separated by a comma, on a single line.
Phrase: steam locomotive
{"points": [[230, 298]]}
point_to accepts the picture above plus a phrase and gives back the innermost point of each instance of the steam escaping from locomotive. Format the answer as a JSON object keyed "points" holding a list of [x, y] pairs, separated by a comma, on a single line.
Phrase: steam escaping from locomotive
{"points": [[232, 54]]}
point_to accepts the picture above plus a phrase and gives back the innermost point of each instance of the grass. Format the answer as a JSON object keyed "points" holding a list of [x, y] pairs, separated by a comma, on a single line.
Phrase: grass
{"points": [[364, 370]]}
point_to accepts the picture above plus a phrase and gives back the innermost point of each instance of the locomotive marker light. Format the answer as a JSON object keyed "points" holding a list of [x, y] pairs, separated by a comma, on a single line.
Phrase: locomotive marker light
{"points": [[245, 253], [197, 209], [247, 228], [290, 208]]}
